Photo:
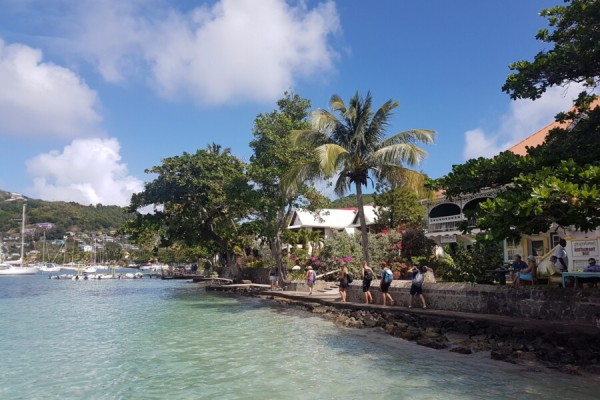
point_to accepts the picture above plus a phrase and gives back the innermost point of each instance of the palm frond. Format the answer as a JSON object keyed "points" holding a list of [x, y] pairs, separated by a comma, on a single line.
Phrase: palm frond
{"points": [[398, 154], [400, 176], [308, 136], [324, 121], [329, 157], [342, 185], [337, 104], [297, 175], [411, 136], [380, 119]]}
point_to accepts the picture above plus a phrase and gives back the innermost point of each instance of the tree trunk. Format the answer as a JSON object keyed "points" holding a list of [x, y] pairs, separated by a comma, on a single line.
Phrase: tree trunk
{"points": [[276, 248], [232, 270], [364, 238]]}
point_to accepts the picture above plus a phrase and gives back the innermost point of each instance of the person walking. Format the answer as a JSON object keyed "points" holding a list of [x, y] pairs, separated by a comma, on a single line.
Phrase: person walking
{"points": [[367, 274], [561, 255], [311, 278], [386, 281], [343, 277], [416, 288], [274, 277]]}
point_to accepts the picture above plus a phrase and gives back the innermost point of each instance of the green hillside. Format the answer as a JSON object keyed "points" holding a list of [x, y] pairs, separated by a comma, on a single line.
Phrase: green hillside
{"points": [[65, 216], [350, 201]]}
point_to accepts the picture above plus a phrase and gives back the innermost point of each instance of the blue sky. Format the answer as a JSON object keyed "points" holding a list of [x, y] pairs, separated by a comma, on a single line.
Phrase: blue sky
{"points": [[96, 91]]}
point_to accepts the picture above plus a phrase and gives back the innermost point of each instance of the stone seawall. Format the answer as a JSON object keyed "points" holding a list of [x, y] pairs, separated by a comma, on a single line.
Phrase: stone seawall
{"points": [[537, 302]]}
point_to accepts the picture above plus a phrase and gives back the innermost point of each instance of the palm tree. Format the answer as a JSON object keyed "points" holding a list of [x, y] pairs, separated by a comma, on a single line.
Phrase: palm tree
{"points": [[214, 148], [352, 145]]}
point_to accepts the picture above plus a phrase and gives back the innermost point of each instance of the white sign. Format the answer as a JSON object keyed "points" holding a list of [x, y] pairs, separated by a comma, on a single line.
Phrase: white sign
{"points": [[585, 248], [448, 239]]}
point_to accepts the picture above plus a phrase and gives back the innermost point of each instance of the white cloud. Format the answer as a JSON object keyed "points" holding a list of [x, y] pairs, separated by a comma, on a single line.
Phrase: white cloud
{"points": [[523, 118], [235, 50], [478, 145], [42, 99], [88, 171]]}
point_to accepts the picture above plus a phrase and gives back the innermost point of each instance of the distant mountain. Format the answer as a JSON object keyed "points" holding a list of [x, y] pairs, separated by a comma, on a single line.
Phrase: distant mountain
{"points": [[64, 216], [350, 201]]}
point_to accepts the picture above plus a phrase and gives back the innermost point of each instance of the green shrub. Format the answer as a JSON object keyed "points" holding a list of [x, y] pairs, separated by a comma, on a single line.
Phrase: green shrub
{"points": [[469, 265]]}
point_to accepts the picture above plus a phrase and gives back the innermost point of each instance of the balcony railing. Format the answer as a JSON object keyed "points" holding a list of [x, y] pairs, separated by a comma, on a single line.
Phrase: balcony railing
{"points": [[449, 223]]}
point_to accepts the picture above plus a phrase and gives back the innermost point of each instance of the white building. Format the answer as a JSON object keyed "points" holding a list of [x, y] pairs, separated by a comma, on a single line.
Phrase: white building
{"points": [[330, 220]]}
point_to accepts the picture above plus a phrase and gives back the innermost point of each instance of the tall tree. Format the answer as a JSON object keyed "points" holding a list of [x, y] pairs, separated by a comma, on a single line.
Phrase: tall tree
{"points": [[272, 159], [353, 146], [202, 199]]}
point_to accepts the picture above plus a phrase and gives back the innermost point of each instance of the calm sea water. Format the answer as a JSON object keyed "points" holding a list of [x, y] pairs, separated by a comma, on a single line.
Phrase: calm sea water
{"points": [[153, 339]]}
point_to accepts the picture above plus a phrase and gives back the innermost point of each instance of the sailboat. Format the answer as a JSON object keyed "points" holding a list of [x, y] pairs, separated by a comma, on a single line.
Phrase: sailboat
{"points": [[11, 269]]}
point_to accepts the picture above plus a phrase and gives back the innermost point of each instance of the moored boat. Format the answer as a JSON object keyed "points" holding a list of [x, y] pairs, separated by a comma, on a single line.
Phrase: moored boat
{"points": [[49, 267], [21, 269], [153, 268], [8, 269]]}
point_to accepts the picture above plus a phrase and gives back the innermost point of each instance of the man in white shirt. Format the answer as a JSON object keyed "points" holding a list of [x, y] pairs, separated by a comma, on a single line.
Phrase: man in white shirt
{"points": [[561, 256]]}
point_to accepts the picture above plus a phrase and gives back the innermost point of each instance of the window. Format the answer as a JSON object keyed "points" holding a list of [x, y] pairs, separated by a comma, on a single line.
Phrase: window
{"points": [[513, 247], [554, 240]]}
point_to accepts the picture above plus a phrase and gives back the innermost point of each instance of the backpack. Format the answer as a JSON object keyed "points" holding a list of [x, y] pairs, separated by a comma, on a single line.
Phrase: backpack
{"points": [[314, 277], [388, 276], [349, 278], [418, 279], [368, 275]]}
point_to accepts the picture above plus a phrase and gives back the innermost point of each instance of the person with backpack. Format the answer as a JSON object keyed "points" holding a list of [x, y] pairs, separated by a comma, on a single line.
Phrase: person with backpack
{"points": [[345, 280], [367, 275], [386, 281], [416, 287], [311, 278]]}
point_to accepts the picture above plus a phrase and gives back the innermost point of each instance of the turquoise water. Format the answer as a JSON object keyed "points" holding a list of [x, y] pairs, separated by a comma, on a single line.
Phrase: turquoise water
{"points": [[153, 339]]}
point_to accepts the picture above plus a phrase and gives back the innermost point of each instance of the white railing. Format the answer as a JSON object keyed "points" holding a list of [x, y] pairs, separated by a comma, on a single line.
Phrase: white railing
{"points": [[450, 218], [444, 226]]}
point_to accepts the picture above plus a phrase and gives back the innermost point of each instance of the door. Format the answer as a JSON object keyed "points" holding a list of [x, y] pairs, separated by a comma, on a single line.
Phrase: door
{"points": [[536, 248]]}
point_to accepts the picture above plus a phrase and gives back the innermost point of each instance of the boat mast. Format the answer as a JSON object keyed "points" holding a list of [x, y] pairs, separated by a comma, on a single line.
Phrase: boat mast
{"points": [[23, 236]]}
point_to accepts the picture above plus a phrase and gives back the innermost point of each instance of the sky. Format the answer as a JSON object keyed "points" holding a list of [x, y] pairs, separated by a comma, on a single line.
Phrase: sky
{"points": [[94, 92]]}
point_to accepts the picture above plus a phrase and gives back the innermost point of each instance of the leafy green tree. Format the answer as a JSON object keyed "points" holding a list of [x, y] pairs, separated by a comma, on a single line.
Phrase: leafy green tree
{"points": [[352, 145], [398, 207], [575, 35], [203, 197], [273, 157], [557, 182], [566, 195]]}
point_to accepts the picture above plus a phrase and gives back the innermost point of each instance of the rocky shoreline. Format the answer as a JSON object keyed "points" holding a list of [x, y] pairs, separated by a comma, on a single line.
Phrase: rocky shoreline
{"points": [[517, 345], [537, 344]]}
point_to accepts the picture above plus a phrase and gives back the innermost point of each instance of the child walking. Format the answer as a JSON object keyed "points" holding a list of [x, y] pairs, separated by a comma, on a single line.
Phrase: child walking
{"points": [[416, 288]]}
